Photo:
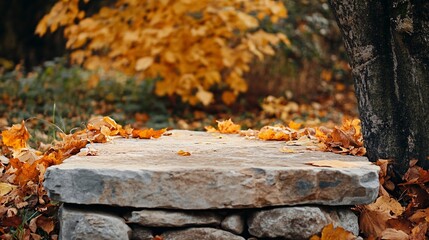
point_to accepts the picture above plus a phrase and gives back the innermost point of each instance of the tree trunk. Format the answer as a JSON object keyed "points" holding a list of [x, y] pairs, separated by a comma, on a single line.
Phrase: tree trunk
{"points": [[388, 45]]}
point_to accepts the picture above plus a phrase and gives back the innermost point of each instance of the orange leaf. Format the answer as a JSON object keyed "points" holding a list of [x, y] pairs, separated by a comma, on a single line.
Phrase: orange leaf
{"points": [[331, 233], [228, 126], [148, 133], [277, 133], [183, 153], [16, 137]]}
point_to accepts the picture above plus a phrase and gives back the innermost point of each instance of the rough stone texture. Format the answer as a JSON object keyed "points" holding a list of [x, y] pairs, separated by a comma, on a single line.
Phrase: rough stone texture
{"points": [[77, 224], [200, 234], [299, 222], [165, 218], [224, 171], [141, 233], [233, 223]]}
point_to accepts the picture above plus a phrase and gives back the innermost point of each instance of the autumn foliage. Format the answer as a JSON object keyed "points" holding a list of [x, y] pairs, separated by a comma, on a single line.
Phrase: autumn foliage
{"points": [[191, 45]]}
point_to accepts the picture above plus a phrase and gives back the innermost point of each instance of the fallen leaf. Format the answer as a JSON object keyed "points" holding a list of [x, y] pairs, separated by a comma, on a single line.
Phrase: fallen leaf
{"points": [[374, 217], [287, 150], [419, 231], [393, 234], [331, 233], [277, 133], [333, 163], [147, 133], [228, 126], [183, 153], [5, 188], [46, 224], [16, 137]]}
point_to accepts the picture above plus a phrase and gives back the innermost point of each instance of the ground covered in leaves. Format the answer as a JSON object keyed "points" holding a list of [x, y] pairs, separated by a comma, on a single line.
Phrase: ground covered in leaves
{"points": [[27, 213]]}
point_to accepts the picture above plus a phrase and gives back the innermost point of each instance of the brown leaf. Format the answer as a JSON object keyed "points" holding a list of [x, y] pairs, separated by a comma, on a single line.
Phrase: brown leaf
{"points": [[46, 224], [419, 231], [393, 234], [374, 217]]}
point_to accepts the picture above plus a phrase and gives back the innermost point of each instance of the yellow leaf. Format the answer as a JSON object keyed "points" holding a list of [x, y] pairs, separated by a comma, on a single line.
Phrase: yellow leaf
{"points": [[228, 126], [143, 63], [183, 153], [5, 188]]}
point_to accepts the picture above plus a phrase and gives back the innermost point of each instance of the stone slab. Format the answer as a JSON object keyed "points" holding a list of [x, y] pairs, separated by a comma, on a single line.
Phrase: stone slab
{"points": [[168, 218], [223, 171]]}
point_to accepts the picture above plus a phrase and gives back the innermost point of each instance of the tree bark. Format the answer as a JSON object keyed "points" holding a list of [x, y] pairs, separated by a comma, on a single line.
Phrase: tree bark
{"points": [[388, 45]]}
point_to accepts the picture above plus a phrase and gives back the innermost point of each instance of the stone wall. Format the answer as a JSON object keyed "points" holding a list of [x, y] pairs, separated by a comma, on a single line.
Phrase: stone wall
{"points": [[299, 222]]}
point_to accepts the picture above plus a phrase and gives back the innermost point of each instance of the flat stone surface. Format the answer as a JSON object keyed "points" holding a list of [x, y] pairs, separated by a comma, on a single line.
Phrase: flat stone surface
{"points": [[223, 171]]}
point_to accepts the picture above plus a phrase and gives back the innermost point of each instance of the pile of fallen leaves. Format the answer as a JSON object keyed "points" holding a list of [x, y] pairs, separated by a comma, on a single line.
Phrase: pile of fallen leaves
{"points": [[401, 211], [346, 139], [26, 212]]}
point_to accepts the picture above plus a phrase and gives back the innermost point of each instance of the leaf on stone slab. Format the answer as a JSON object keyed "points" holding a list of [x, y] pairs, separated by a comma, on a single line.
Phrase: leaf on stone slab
{"points": [[183, 153], [287, 150], [277, 133], [331, 233], [228, 126], [333, 163], [148, 133]]}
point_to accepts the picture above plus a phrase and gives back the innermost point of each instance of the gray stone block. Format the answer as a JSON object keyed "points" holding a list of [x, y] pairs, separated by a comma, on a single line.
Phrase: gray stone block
{"points": [[224, 171], [78, 224], [200, 234], [233, 223], [168, 218], [299, 222]]}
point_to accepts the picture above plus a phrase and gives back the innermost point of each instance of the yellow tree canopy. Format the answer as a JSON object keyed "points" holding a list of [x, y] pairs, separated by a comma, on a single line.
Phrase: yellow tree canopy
{"points": [[191, 44]]}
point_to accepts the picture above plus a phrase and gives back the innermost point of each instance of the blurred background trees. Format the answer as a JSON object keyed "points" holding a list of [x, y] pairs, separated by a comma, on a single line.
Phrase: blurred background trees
{"points": [[311, 69]]}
